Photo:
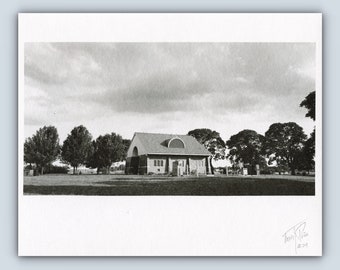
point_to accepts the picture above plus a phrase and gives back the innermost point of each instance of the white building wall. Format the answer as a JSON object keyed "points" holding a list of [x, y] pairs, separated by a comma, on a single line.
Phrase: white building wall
{"points": [[197, 164], [160, 166]]}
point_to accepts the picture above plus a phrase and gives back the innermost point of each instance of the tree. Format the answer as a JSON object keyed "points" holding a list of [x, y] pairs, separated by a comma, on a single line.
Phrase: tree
{"points": [[309, 147], [76, 148], [212, 141], [246, 147], [285, 141], [92, 159], [309, 152], [43, 148], [305, 159], [126, 143], [106, 150], [309, 104], [29, 151]]}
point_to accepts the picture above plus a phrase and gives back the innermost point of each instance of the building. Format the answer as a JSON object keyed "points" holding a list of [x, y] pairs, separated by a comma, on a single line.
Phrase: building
{"points": [[151, 153]]}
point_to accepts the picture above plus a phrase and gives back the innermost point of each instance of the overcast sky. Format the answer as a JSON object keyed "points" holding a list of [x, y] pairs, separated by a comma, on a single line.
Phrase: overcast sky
{"points": [[166, 87]]}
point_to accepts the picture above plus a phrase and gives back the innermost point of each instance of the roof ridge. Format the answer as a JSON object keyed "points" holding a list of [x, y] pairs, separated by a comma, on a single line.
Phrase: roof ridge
{"points": [[156, 133]]}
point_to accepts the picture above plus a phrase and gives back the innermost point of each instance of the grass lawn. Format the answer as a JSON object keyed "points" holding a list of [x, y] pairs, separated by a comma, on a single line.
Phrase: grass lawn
{"points": [[146, 185]]}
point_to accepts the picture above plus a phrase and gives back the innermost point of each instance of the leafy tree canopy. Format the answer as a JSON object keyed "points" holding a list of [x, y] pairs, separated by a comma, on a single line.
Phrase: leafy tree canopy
{"points": [[106, 150], [42, 148], [126, 143], [309, 104], [306, 160], [211, 139], [307, 157], [29, 151], [285, 141], [76, 148], [246, 146]]}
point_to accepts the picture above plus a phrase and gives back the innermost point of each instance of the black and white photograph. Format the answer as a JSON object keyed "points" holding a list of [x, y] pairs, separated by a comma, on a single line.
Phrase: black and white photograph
{"points": [[169, 119], [170, 135]]}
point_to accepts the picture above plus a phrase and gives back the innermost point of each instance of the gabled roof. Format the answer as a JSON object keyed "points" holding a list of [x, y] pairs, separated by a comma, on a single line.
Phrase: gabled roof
{"points": [[155, 143]]}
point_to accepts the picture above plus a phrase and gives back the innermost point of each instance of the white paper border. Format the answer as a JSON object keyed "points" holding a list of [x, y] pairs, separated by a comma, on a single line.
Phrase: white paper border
{"points": [[167, 225]]}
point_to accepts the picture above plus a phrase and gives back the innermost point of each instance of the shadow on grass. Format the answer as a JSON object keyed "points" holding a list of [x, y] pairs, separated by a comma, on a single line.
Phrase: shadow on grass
{"points": [[235, 187]]}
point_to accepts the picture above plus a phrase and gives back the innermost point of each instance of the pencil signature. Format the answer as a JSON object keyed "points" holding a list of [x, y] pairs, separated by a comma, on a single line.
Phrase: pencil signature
{"points": [[297, 235]]}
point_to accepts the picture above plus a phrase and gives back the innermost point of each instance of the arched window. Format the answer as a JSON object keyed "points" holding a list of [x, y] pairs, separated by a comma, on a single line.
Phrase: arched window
{"points": [[135, 152], [176, 143]]}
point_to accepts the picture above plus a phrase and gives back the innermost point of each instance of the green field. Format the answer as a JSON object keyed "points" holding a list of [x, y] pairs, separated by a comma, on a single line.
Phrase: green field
{"points": [[157, 185]]}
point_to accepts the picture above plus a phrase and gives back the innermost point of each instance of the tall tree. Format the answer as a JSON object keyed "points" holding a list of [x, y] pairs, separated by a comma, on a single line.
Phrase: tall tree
{"points": [[76, 148], [309, 104], [246, 147], [212, 141], [309, 146], [43, 148], [126, 143], [285, 141], [305, 160], [92, 159], [29, 151], [106, 150]]}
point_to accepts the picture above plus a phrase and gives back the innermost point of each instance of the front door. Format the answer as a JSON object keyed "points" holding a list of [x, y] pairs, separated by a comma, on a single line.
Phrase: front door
{"points": [[134, 165], [178, 167], [175, 168]]}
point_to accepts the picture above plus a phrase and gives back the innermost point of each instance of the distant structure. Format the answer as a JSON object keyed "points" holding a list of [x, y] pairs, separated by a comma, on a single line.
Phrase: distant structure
{"points": [[152, 153]]}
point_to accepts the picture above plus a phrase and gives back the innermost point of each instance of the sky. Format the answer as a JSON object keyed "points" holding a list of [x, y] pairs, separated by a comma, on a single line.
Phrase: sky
{"points": [[166, 87]]}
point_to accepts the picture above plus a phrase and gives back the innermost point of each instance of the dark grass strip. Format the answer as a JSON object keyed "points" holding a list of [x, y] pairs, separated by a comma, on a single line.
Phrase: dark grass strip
{"points": [[189, 187]]}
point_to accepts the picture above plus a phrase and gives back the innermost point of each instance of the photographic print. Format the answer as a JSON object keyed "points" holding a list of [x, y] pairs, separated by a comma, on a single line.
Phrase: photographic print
{"points": [[169, 118], [207, 116]]}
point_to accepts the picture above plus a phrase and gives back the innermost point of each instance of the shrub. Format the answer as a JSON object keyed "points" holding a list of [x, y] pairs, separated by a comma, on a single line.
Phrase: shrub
{"points": [[193, 172]]}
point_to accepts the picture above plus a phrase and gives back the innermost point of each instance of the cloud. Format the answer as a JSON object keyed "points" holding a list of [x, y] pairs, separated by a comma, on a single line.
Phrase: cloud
{"points": [[79, 82]]}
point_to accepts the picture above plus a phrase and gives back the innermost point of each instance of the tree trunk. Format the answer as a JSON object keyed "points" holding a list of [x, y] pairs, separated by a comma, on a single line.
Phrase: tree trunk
{"points": [[74, 169], [293, 171], [108, 169], [211, 166], [42, 170]]}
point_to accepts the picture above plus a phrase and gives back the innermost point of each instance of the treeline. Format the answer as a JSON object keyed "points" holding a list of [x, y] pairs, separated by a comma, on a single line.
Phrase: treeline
{"points": [[283, 144], [78, 149]]}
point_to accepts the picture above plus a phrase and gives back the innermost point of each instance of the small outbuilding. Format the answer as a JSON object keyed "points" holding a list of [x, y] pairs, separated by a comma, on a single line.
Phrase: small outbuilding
{"points": [[153, 153]]}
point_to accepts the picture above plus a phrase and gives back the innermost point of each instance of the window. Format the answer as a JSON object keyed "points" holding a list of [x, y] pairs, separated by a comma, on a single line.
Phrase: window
{"points": [[135, 152], [158, 162], [176, 143]]}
